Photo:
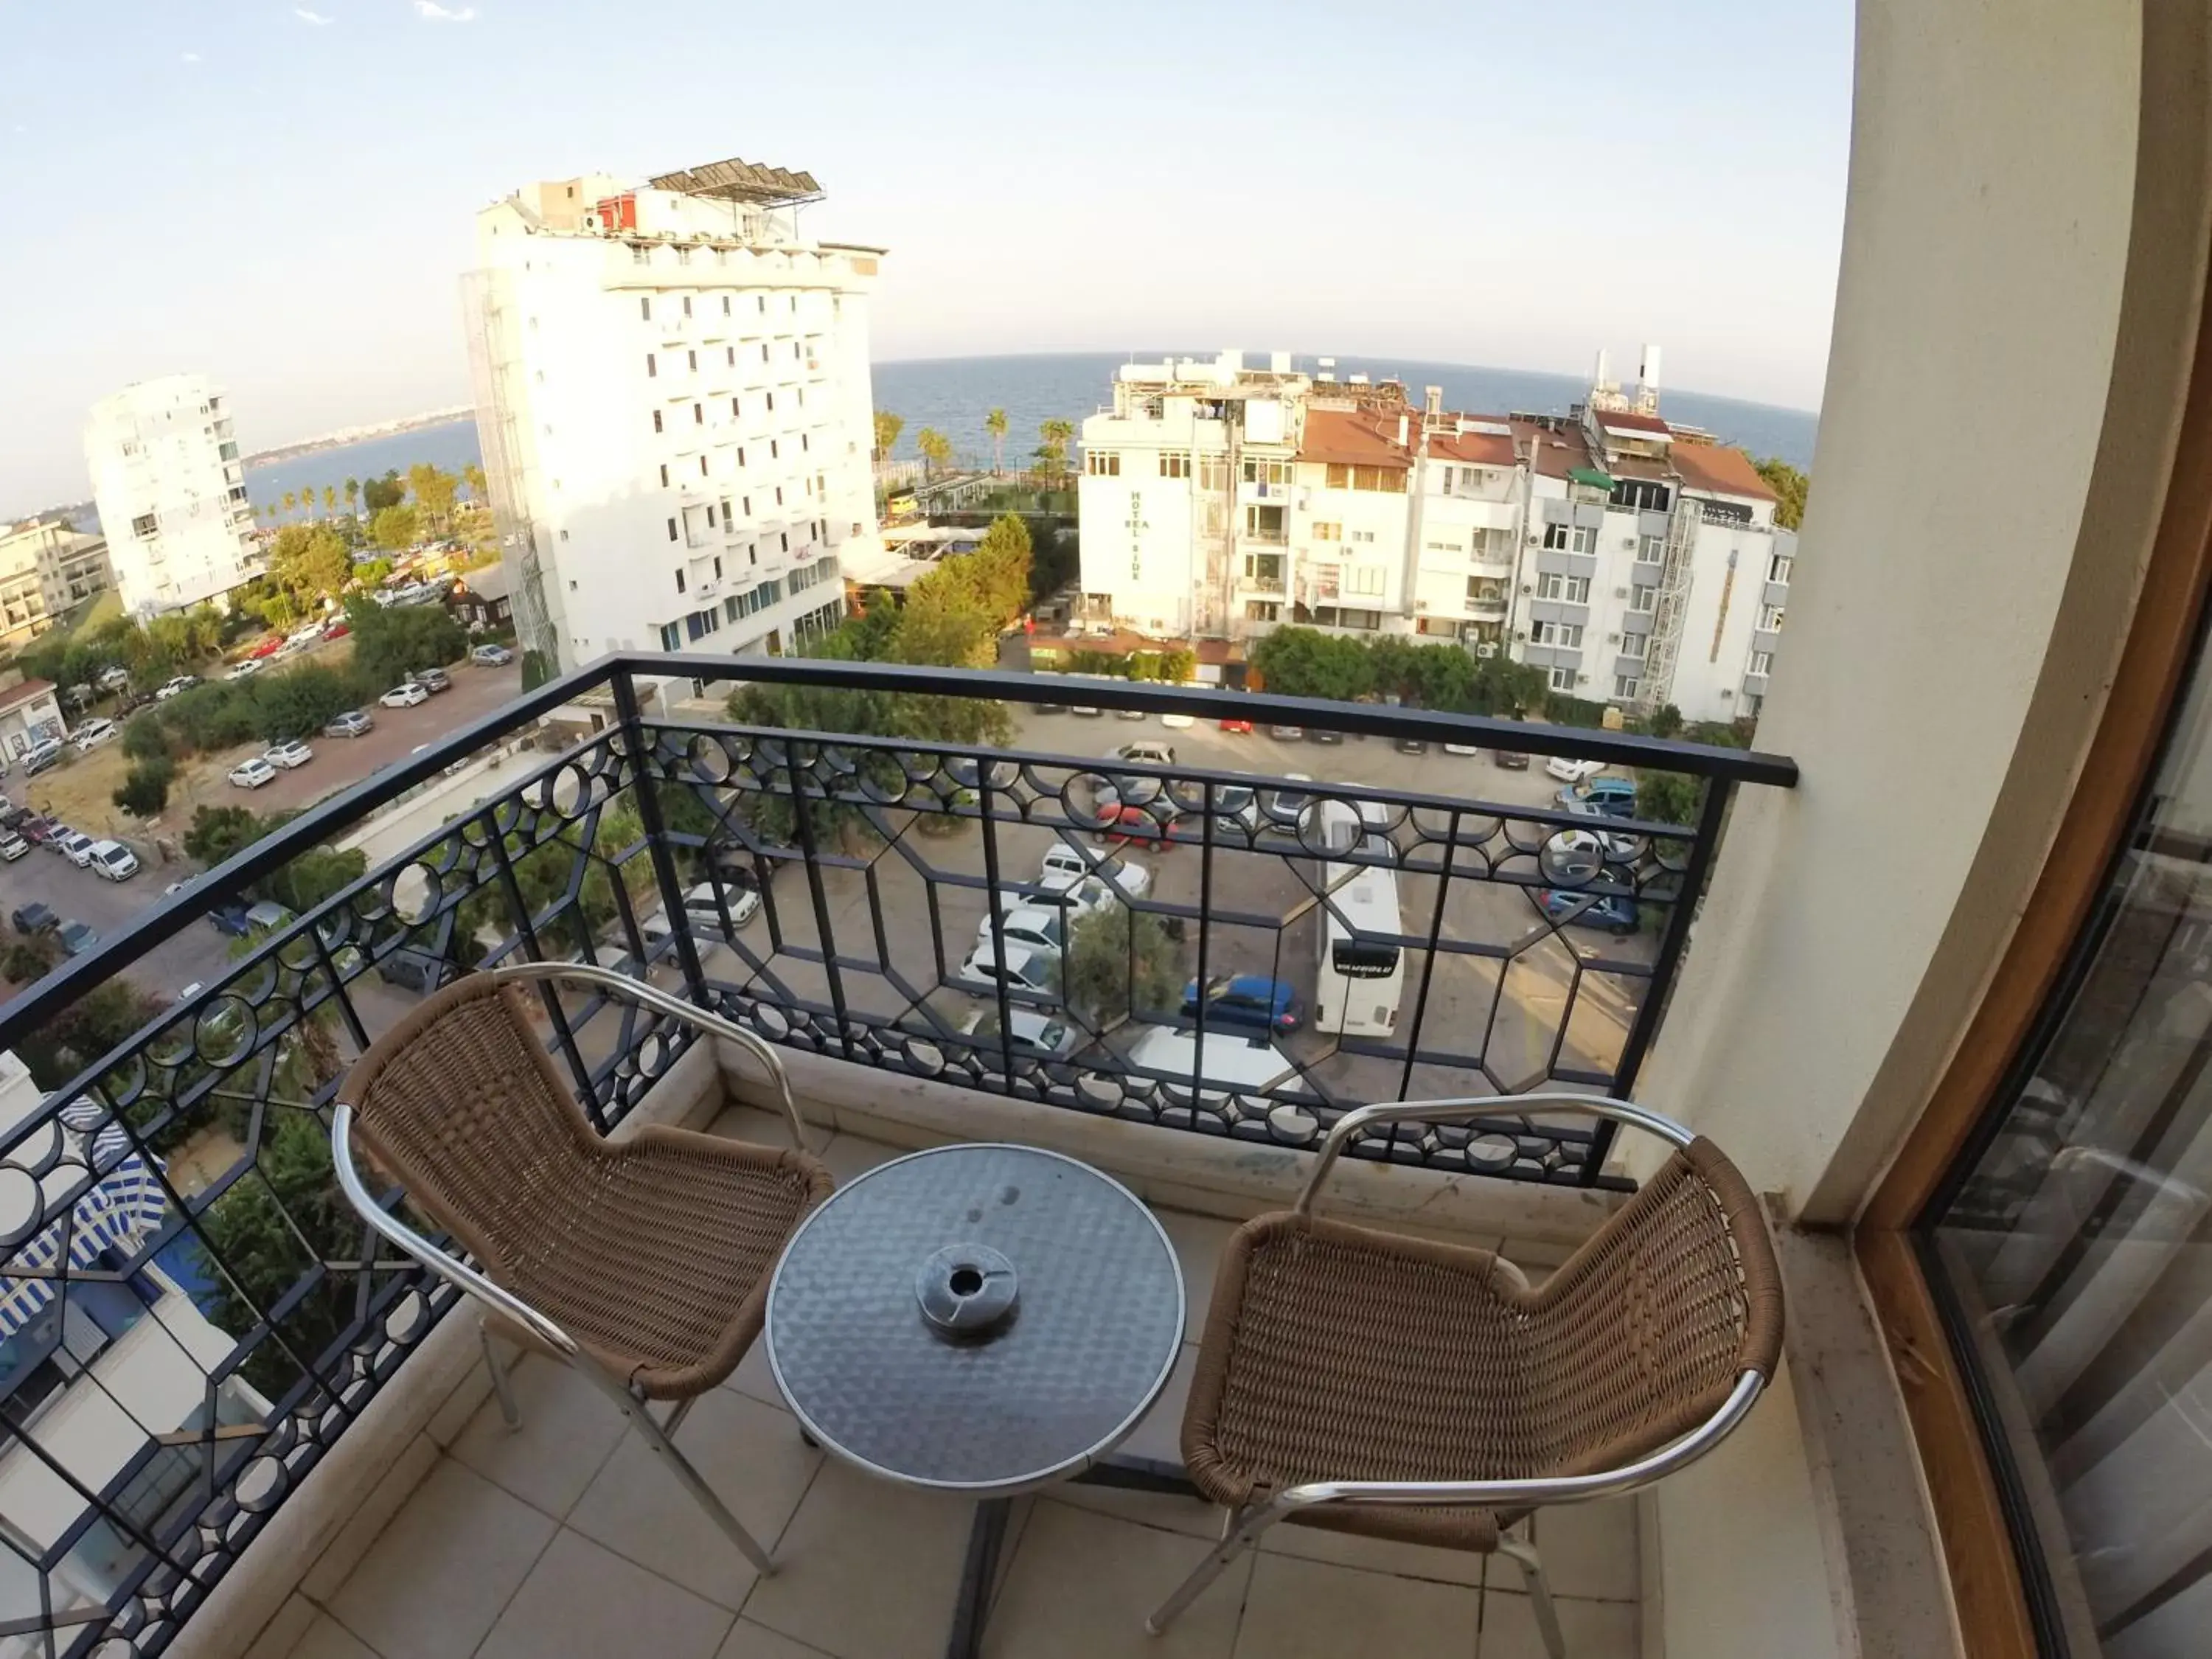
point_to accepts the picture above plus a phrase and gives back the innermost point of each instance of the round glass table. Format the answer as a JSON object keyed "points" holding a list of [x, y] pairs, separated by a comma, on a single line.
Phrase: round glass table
{"points": [[983, 1320]]}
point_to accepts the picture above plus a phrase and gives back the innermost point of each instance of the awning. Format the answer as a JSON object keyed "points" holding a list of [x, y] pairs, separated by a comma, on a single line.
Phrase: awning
{"points": [[1589, 475], [122, 1207]]}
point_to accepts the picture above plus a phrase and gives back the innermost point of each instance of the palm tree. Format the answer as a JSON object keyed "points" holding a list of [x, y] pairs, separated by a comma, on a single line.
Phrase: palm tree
{"points": [[352, 494], [473, 476], [1056, 433], [936, 448], [329, 500], [995, 424], [888, 428], [288, 499]]}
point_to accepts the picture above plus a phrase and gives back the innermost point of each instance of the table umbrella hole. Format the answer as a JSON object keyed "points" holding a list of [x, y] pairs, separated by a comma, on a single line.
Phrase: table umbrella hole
{"points": [[966, 1290]]}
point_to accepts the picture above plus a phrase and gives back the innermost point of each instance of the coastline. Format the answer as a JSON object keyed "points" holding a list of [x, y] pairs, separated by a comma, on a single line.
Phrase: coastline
{"points": [[359, 435]]}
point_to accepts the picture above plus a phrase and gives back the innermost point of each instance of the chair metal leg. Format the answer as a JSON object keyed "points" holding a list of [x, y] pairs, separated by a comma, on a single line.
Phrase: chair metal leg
{"points": [[501, 1385], [656, 1439], [675, 1419], [1239, 1532], [1539, 1593]]}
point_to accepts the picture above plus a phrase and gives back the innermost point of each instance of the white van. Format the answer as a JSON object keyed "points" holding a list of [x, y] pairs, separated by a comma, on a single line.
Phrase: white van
{"points": [[112, 860], [1234, 1065]]}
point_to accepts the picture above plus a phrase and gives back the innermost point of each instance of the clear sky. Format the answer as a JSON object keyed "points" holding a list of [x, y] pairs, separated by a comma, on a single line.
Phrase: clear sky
{"points": [[284, 196]]}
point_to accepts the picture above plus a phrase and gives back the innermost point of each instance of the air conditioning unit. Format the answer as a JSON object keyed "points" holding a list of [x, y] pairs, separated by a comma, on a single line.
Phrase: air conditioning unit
{"points": [[1619, 593], [1528, 587], [1582, 679], [1628, 544], [1520, 634], [1726, 692], [1535, 539], [1612, 639], [1486, 649]]}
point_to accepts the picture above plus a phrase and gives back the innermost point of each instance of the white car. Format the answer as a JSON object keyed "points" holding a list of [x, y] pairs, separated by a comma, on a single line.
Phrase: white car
{"points": [[288, 755], [112, 860], [1030, 1035], [1021, 968], [93, 733], [76, 847], [114, 679], [1065, 868], [183, 682], [1572, 771], [1177, 722], [404, 696], [246, 670], [1460, 749], [1040, 929], [253, 773], [491, 656], [12, 846]]}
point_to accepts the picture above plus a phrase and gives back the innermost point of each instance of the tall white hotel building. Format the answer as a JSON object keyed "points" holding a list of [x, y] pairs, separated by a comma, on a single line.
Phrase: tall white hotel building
{"points": [[673, 399], [171, 491], [1635, 561]]}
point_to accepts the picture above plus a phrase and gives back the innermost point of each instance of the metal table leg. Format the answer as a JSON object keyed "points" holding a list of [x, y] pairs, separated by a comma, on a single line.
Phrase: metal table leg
{"points": [[985, 1537]]}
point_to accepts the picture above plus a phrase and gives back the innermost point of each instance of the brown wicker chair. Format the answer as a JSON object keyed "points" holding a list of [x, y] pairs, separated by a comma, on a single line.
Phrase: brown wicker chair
{"points": [[1370, 1383], [643, 1264]]}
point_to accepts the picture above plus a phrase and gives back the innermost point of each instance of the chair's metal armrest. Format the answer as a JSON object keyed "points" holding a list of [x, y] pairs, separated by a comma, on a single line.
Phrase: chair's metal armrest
{"points": [[1436, 1111], [1530, 1493], [440, 1262], [653, 997]]}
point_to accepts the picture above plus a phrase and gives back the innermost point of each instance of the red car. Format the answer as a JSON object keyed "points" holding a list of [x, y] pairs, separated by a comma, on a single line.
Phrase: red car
{"points": [[1134, 826], [268, 648], [336, 630], [1245, 726]]}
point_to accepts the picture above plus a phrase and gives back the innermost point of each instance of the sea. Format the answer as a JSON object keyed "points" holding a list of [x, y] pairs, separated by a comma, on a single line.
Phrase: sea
{"points": [[954, 394]]}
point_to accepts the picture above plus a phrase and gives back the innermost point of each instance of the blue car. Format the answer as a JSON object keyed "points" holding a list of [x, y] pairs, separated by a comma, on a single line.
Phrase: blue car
{"points": [[1612, 798], [1610, 911], [1251, 1000]]}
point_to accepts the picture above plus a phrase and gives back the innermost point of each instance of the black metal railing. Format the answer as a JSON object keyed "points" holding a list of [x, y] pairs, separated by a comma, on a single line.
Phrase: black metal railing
{"points": [[835, 893]]}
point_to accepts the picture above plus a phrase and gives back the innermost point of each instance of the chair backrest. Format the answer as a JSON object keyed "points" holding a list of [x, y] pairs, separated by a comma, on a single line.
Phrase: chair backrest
{"points": [[459, 1102], [1641, 1336]]}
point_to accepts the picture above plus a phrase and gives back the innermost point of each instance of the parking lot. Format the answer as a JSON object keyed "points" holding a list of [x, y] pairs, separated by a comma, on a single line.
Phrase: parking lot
{"points": [[1505, 1000]]}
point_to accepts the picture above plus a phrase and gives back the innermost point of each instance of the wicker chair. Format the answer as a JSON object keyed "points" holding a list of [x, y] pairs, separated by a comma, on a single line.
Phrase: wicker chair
{"points": [[643, 1264], [1370, 1383]]}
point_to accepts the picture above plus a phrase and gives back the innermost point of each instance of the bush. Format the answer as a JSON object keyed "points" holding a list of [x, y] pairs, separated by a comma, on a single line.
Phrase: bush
{"points": [[301, 702], [391, 642], [144, 738], [144, 790], [27, 959]]}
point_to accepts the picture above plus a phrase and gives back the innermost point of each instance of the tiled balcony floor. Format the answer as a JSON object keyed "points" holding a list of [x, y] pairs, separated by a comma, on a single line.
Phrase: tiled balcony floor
{"points": [[566, 1541]]}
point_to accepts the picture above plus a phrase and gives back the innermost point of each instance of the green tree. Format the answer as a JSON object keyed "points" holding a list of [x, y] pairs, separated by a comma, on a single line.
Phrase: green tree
{"points": [[288, 499], [311, 564], [371, 573], [888, 428], [1669, 797], [329, 500], [218, 833], [300, 702], [434, 492], [1057, 435], [1666, 721], [391, 643], [473, 476], [352, 494], [995, 424], [1788, 485], [377, 494], [1120, 963], [144, 790], [936, 448], [99, 1021], [394, 528]]}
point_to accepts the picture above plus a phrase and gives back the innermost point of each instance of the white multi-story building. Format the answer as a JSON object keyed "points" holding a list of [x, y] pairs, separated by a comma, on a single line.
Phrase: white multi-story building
{"points": [[46, 566], [1635, 562], [673, 402], [171, 491]]}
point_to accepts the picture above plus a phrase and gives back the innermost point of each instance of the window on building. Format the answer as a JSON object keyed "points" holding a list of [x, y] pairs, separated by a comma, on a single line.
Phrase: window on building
{"points": [[1271, 473], [1555, 536], [1770, 619], [775, 450], [1263, 521], [1633, 645], [1174, 464], [1261, 611], [779, 495], [1212, 472], [718, 557], [656, 421], [702, 473], [645, 307], [1362, 535], [1338, 476], [1778, 568], [1651, 549], [682, 256], [698, 415], [672, 535], [710, 522], [805, 447], [1762, 662], [663, 474], [1443, 475], [730, 360], [1582, 539], [749, 506], [671, 637], [771, 402], [687, 305], [763, 350], [1562, 679], [691, 357], [1551, 586], [652, 367], [783, 538], [762, 300], [1326, 530], [1556, 632], [679, 581], [1102, 463], [1626, 687], [719, 260], [1365, 579], [1643, 599]]}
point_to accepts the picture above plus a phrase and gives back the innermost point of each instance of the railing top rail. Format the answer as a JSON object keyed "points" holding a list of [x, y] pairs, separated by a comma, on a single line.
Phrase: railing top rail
{"points": [[1372, 719]]}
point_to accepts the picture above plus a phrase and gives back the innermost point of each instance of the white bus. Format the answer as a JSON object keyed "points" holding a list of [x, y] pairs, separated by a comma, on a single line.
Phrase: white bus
{"points": [[1362, 970]]}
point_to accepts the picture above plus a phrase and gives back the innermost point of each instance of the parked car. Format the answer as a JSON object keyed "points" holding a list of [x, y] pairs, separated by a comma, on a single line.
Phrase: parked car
{"points": [[266, 649], [1084, 711], [1510, 760], [1614, 798], [41, 756], [1041, 927], [1410, 746], [77, 938], [1324, 735], [1128, 714], [432, 679], [229, 919], [336, 629], [1065, 868], [1177, 722], [12, 846], [1253, 1001], [288, 755], [1460, 749], [1287, 733], [31, 828], [1572, 771], [1017, 966], [169, 689], [252, 773], [405, 695], [113, 678], [1030, 1035], [112, 860], [491, 656], [30, 918], [244, 669], [1287, 807], [415, 971], [1132, 826], [1610, 911], [353, 723], [1244, 727], [76, 847], [93, 733]]}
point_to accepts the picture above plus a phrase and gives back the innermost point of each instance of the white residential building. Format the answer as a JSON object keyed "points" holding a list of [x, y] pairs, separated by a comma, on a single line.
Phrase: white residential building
{"points": [[673, 402], [46, 566], [1636, 563], [171, 491]]}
